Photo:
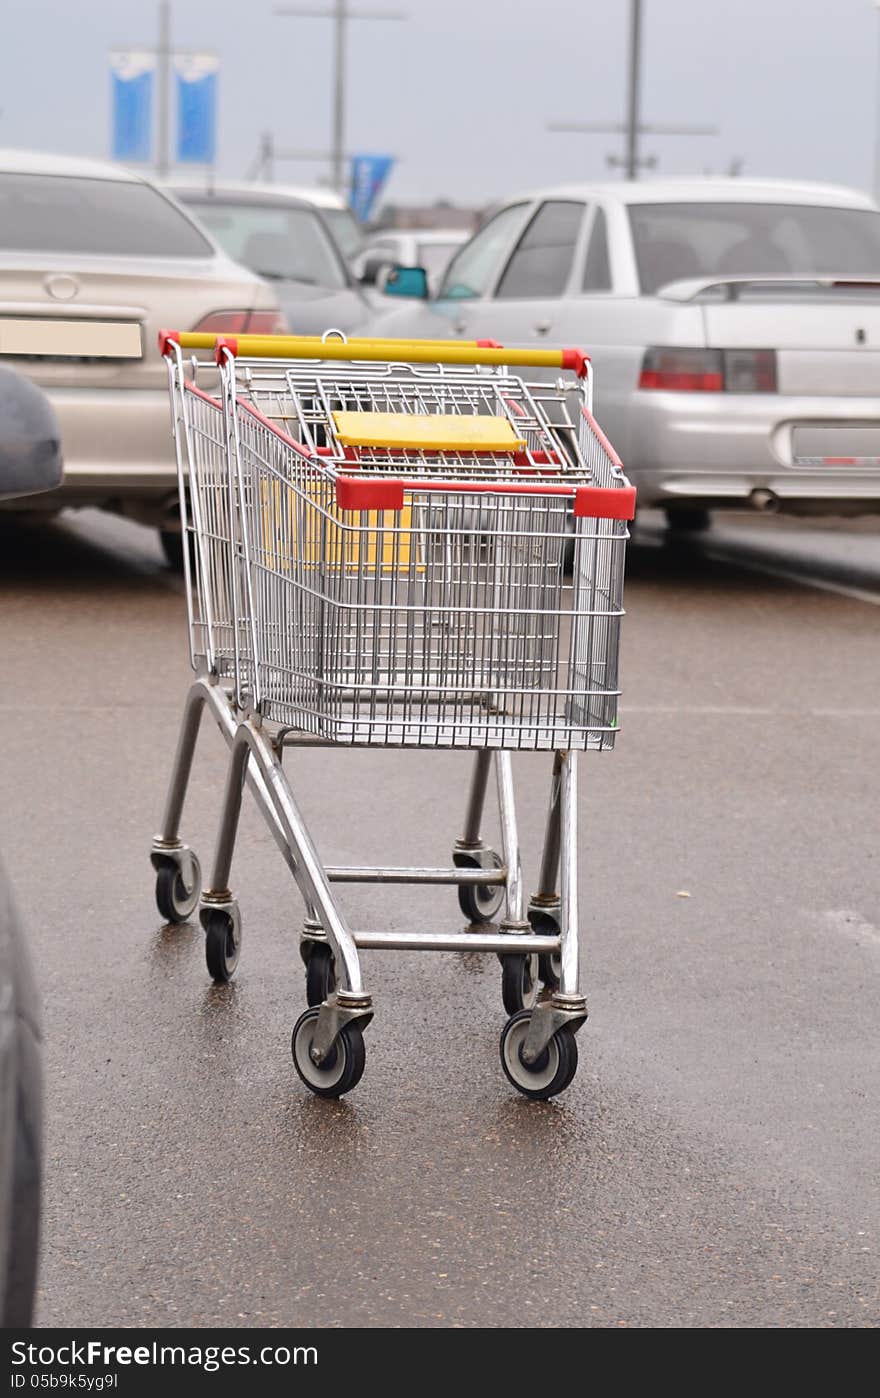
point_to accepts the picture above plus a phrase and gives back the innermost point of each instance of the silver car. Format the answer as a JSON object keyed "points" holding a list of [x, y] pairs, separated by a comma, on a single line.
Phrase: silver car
{"points": [[94, 261], [286, 240], [734, 326]]}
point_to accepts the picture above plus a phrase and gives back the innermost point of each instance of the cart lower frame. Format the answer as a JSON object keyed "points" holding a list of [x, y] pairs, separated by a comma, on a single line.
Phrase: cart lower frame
{"points": [[542, 931]]}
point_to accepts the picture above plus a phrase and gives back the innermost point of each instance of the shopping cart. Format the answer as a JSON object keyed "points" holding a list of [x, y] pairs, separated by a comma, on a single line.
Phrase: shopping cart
{"points": [[398, 544]]}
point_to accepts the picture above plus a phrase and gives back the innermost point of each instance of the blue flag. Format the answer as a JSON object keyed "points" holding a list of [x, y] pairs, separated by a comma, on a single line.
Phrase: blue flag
{"points": [[368, 175], [197, 107], [132, 87]]}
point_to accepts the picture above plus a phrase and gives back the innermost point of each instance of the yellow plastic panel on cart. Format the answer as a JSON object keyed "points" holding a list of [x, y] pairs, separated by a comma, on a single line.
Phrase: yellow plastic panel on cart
{"points": [[298, 534], [427, 432]]}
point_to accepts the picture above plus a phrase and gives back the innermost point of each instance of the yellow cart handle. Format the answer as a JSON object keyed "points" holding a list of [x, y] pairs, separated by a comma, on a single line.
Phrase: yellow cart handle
{"points": [[376, 350]]}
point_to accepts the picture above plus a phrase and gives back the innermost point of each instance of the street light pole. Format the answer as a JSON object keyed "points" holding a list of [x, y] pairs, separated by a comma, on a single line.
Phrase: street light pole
{"points": [[339, 93], [163, 63], [633, 127], [340, 14], [635, 61], [877, 113]]}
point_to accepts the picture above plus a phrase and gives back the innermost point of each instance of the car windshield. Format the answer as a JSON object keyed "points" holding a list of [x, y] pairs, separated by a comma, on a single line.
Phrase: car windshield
{"points": [[678, 241], [434, 257], [345, 229], [62, 213], [282, 242]]}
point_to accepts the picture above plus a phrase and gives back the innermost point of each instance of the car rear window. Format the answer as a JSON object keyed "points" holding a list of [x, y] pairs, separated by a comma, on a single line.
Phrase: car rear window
{"points": [[281, 242], [345, 229], [62, 213], [677, 241]]}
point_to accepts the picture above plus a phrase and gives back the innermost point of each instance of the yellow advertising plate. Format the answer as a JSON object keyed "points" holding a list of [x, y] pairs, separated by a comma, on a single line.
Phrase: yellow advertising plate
{"points": [[428, 432]]}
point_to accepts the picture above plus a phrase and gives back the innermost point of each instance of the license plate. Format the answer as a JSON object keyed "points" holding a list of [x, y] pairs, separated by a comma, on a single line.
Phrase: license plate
{"points": [[836, 448], [70, 339]]}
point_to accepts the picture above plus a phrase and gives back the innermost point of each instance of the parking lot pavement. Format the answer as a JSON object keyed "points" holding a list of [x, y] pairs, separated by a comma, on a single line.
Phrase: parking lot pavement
{"points": [[714, 1162]]}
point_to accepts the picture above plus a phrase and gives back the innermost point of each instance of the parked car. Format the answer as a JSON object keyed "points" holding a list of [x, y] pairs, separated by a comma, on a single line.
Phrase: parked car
{"points": [[30, 461], [734, 327], [288, 241], [347, 232], [430, 248], [94, 260]]}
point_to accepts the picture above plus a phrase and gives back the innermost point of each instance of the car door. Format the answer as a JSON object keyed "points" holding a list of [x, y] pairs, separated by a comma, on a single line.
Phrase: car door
{"points": [[523, 305], [473, 271]]}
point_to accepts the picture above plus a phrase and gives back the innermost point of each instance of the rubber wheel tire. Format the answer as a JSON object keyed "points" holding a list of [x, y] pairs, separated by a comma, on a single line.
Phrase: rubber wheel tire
{"points": [[519, 982], [482, 902], [222, 945], [344, 1066], [172, 547], [551, 1073], [694, 521], [320, 974], [173, 900]]}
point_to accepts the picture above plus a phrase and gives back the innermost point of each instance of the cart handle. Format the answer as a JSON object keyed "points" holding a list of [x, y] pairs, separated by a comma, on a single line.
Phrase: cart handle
{"points": [[388, 351]]}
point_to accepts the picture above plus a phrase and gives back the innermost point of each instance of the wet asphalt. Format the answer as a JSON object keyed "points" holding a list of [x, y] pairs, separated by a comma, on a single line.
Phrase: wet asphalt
{"points": [[714, 1162]]}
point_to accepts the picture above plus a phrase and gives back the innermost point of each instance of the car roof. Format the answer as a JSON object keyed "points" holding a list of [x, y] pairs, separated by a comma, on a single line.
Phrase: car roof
{"points": [[244, 193], [706, 189], [255, 192], [31, 162], [423, 235]]}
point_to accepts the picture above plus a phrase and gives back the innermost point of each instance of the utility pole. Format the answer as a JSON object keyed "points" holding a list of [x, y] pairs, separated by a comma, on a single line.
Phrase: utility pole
{"points": [[163, 85], [631, 129], [340, 14], [876, 190], [635, 63]]}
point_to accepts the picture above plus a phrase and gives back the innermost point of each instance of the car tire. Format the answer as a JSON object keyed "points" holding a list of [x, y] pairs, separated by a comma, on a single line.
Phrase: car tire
{"points": [[692, 521], [22, 1250], [172, 547]]}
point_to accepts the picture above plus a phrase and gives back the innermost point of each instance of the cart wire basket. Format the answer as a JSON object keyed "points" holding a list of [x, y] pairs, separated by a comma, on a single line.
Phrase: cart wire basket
{"points": [[403, 544]]}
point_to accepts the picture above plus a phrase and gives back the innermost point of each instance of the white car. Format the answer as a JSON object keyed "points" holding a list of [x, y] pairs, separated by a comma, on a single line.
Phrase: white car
{"points": [[734, 327], [94, 261], [430, 248], [288, 241]]}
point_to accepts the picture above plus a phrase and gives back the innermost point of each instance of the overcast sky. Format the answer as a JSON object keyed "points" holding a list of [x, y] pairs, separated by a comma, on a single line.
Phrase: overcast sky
{"points": [[462, 90]]}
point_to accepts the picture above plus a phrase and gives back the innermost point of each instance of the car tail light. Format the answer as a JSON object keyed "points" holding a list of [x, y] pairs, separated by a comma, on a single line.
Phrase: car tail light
{"points": [[243, 323], [682, 370], [750, 371], [709, 370]]}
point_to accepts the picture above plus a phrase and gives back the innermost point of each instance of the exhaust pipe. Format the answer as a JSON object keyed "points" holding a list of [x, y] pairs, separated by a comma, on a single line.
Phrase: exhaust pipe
{"points": [[764, 501]]}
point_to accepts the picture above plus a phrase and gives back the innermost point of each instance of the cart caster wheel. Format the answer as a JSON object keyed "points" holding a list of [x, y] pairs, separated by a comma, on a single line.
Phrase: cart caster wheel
{"points": [[550, 969], [551, 1073], [222, 940], [343, 1067], [177, 893], [519, 982], [481, 902], [320, 974]]}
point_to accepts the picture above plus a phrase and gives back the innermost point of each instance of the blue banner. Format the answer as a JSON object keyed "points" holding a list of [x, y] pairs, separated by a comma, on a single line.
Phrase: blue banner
{"points": [[368, 175], [132, 85], [197, 108]]}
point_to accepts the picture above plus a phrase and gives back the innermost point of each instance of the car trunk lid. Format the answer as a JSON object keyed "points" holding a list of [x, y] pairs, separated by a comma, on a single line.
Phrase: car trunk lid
{"points": [[69, 321], [826, 333]]}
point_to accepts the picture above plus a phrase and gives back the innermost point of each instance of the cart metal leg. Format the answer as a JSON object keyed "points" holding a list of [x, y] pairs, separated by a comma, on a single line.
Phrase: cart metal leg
{"points": [[566, 1008], [482, 902], [179, 876], [302, 857]]}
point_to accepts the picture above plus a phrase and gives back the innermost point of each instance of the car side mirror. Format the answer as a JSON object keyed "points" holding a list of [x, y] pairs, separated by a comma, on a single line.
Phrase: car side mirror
{"points": [[30, 440], [407, 281]]}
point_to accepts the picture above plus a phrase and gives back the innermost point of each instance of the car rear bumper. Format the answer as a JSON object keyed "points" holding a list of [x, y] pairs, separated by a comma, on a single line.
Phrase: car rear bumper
{"points": [[117, 447], [720, 449]]}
